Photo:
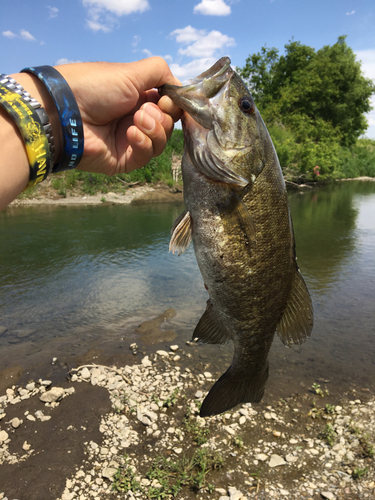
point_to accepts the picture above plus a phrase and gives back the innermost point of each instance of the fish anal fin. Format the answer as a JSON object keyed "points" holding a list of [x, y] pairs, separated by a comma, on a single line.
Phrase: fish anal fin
{"points": [[296, 322], [182, 232], [209, 330], [235, 388]]}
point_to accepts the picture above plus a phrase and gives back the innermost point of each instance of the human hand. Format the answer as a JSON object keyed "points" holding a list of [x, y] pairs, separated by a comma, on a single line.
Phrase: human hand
{"points": [[125, 121]]}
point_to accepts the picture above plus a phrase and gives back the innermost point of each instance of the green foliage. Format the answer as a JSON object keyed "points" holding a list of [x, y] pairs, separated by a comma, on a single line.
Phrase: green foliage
{"points": [[329, 434], [313, 103], [124, 479], [199, 433], [191, 472]]}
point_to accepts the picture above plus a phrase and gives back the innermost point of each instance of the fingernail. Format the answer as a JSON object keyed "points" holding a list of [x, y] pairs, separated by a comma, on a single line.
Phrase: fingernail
{"points": [[155, 113], [138, 136], [146, 121]]}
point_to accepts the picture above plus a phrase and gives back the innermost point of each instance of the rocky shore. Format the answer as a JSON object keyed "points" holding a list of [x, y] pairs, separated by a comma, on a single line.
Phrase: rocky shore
{"points": [[134, 432]]}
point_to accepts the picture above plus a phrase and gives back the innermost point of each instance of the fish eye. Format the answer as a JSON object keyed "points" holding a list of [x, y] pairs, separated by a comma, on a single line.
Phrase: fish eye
{"points": [[247, 105]]}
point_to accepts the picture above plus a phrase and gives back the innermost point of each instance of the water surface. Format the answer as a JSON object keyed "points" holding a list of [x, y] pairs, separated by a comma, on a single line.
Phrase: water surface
{"points": [[73, 276]]}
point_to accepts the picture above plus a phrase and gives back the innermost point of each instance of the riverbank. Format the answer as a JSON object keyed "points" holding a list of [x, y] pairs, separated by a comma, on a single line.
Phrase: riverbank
{"points": [[159, 193], [133, 431], [145, 193]]}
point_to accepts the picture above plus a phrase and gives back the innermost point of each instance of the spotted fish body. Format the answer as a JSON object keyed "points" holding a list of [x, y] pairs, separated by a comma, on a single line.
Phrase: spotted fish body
{"points": [[237, 216]]}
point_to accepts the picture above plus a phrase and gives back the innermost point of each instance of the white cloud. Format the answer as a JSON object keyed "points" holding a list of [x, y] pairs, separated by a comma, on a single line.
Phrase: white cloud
{"points": [[25, 35], [204, 48], [9, 34], [64, 60], [53, 12], [118, 7], [350, 13], [212, 8], [367, 58], [204, 44], [102, 14], [192, 69], [147, 52], [136, 40]]}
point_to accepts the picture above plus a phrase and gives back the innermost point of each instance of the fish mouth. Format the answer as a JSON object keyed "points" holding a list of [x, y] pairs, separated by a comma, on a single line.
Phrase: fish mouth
{"points": [[194, 97]]}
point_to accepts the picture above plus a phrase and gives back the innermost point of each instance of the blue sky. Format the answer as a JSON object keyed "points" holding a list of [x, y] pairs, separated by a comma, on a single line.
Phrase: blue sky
{"points": [[189, 34]]}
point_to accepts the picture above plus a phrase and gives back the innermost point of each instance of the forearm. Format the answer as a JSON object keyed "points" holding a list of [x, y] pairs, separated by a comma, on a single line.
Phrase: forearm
{"points": [[14, 164]]}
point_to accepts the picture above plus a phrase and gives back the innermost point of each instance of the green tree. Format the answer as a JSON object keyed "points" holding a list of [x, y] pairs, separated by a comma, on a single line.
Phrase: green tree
{"points": [[320, 97]]}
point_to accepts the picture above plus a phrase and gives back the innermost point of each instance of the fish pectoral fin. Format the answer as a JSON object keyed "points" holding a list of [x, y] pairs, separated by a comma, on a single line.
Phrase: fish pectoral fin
{"points": [[182, 233], [296, 322], [237, 210], [208, 329], [208, 164]]}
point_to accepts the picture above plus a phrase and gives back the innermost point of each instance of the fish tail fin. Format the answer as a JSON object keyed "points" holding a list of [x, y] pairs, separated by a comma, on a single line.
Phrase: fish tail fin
{"points": [[235, 387]]}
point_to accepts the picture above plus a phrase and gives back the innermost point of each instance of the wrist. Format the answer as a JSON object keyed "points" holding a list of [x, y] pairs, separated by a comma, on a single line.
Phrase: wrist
{"points": [[36, 88]]}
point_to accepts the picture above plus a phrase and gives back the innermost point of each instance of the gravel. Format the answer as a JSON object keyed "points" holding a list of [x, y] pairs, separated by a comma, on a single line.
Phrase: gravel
{"points": [[268, 452]]}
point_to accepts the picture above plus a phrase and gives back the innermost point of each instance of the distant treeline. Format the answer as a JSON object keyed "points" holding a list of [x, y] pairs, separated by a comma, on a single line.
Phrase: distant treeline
{"points": [[313, 103]]}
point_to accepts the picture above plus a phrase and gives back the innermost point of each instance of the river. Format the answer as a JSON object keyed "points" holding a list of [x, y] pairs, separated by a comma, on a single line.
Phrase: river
{"points": [[76, 277]]}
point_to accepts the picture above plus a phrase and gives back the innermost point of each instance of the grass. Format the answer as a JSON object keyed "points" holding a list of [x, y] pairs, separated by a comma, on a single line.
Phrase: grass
{"points": [[169, 476], [199, 433]]}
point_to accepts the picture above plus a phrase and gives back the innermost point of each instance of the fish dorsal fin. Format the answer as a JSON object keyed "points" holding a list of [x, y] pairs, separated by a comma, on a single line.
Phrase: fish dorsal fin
{"points": [[235, 209], [181, 233], [296, 322], [210, 165], [208, 329]]}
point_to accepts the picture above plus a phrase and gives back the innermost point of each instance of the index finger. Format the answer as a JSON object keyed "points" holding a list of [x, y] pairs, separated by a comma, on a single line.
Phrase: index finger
{"points": [[151, 73]]}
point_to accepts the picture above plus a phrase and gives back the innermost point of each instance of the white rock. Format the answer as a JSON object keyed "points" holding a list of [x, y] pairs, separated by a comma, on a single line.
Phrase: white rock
{"points": [[16, 422], [55, 394], [262, 457], [293, 441], [30, 386], [85, 373], [198, 394], [3, 436], [46, 383], [276, 460], [173, 347], [146, 362], [162, 353], [26, 446], [207, 374], [109, 472], [31, 418], [291, 458], [177, 450], [267, 416], [328, 495], [242, 420]]}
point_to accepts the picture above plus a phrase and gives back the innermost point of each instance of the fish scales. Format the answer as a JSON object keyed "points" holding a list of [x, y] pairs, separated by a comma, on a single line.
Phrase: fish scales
{"points": [[237, 216]]}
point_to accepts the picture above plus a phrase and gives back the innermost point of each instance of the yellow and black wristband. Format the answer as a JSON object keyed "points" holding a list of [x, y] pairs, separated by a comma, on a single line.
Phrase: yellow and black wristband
{"points": [[32, 132]]}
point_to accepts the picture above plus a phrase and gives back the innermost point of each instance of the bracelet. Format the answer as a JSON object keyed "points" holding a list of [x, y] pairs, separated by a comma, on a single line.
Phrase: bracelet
{"points": [[11, 84], [32, 132], [68, 111]]}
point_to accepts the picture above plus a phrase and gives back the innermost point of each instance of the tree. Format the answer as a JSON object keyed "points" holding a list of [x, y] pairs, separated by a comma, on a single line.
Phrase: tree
{"points": [[307, 89]]}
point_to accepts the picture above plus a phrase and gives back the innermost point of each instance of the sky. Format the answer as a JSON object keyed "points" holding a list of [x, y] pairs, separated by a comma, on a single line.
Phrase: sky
{"points": [[190, 34]]}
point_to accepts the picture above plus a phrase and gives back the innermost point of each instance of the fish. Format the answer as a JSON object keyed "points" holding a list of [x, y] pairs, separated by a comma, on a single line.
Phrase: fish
{"points": [[238, 218]]}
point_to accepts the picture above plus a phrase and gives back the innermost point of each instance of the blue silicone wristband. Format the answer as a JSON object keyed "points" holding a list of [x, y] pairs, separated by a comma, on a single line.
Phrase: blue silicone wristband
{"points": [[68, 111]]}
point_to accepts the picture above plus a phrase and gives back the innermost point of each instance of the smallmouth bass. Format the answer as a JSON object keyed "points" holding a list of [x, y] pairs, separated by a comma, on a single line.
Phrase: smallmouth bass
{"points": [[237, 216]]}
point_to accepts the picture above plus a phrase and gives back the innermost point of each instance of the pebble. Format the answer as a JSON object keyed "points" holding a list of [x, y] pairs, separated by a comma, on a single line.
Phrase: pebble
{"points": [[16, 422], [109, 472], [85, 373], [3, 436], [173, 347], [276, 460], [328, 495], [55, 394]]}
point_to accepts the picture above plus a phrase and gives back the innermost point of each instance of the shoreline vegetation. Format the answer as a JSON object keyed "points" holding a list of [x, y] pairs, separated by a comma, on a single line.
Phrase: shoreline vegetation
{"points": [[164, 174]]}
